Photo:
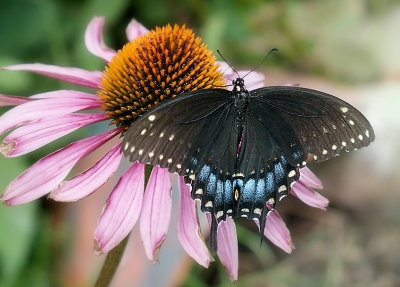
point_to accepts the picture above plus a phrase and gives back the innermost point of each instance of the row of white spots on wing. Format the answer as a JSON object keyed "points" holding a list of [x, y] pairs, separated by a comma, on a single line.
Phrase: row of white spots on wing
{"points": [[367, 133], [140, 151], [161, 134], [257, 211], [209, 204], [334, 147], [126, 146], [245, 210], [238, 175], [282, 188], [152, 118], [220, 214], [161, 156], [199, 191], [344, 109], [324, 152], [169, 160], [178, 166], [171, 137], [292, 173], [351, 122], [151, 154], [143, 132]]}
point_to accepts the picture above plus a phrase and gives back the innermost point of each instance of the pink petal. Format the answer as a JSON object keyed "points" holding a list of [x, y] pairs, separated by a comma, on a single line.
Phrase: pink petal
{"points": [[47, 173], [66, 94], [39, 133], [135, 30], [309, 178], [121, 210], [309, 196], [12, 100], [188, 228], [35, 110], [277, 232], [89, 181], [254, 80], [228, 247], [94, 40], [77, 76], [156, 211]]}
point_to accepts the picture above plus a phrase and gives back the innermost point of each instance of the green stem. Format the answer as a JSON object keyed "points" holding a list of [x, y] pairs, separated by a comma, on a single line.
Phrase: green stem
{"points": [[111, 263], [114, 256]]}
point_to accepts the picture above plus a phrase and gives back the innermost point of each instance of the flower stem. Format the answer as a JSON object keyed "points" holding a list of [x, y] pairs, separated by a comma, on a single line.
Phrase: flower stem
{"points": [[114, 256], [110, 264]]}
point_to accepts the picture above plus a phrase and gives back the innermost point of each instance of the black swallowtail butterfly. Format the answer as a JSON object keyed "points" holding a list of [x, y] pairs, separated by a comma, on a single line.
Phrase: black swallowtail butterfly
{"points": [[241, 150]]}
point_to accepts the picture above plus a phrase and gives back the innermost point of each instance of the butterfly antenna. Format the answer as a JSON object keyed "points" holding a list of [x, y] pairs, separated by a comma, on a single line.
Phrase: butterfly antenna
{"points": [[262, 61], [228, 63], [223, 86]]}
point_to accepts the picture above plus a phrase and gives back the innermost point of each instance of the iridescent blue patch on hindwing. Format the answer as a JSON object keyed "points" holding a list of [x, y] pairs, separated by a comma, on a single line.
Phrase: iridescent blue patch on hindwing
{"points": [[228, 198], [199, 183], [246, 197]]}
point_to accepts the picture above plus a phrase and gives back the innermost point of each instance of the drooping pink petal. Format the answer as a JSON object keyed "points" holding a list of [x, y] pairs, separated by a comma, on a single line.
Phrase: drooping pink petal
{"points": [[94, 40], [228, 247], [65, 94], [277, 232], [73, 75], [253, 80], [35, 110], [47, 173], [309, 178], [121, 210], [31, 136], [12, 100], [135, 29], [188, 228], [89, 181], [156, 211], [308, 195]]}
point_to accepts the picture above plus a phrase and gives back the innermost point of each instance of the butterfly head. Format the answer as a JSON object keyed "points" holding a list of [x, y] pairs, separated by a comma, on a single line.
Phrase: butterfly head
{"points": [[238, 85], [241, 95]]}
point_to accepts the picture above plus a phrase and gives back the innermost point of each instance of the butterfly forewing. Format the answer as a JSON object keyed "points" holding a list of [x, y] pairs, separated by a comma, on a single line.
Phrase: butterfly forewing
{"points": [[181, 134], [324, 124]]}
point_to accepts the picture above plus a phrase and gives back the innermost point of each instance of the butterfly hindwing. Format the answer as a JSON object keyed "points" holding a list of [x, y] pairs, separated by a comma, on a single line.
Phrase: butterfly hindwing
{"points": [[264, 172], [324, 124]]}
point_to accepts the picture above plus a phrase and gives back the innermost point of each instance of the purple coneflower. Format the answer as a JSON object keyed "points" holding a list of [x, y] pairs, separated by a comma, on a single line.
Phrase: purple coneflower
{"points": [[154, 66]]}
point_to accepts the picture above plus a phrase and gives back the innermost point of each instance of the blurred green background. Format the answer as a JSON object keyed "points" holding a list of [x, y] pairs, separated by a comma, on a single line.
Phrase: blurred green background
{"points": [[348, 48]]}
